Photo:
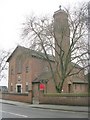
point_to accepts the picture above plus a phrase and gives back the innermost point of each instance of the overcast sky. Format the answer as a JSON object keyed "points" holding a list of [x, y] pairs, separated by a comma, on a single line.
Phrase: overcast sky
{"points": [[14, 12]]}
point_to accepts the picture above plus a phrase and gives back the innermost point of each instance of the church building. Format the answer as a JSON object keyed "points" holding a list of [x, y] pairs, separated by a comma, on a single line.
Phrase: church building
{"points": [[29, 71]]}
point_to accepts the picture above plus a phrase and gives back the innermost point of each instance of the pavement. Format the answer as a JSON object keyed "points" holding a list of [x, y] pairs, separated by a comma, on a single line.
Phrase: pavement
{"points": [[48, 106]]}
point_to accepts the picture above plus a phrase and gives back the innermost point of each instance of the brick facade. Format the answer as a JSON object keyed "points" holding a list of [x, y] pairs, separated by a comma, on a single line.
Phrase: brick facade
{"points": [[35, 67]]}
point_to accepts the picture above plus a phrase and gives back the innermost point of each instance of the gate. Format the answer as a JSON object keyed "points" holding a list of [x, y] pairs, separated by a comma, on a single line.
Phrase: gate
{"points": [[35, 95]]}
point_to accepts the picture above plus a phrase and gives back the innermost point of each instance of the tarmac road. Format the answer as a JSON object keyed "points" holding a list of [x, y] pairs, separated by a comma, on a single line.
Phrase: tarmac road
{"points": [[15, 111]]}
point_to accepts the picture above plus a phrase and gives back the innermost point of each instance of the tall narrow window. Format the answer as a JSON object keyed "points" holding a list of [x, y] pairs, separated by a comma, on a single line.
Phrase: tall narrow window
{"points": [[69, 88], [11, 71], [19, 69], [11, 88], [27, 69], [26, 87], [19, 64]]}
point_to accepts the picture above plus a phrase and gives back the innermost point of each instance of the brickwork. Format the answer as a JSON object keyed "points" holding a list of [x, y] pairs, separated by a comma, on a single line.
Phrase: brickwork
{"points": [[35, 67], [45, 99], [18, 97]]}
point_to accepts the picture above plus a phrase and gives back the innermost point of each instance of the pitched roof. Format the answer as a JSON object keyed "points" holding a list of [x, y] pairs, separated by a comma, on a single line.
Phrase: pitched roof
{"points": [[33, 53], [38, 54], [44, 76], [78, 81]]}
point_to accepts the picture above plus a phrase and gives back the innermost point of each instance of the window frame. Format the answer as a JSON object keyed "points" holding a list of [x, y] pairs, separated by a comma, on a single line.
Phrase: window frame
{"points": [[27, 69], [17, 88]]}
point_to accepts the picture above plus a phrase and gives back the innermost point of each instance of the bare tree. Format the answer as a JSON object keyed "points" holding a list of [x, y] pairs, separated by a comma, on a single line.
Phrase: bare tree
{"points": [[40, 35], [3, 65], [89, 44]]}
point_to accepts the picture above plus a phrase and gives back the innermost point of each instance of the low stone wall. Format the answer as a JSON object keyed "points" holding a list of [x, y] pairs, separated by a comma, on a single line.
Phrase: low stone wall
{"points": [[25, 97], [62, 100]]}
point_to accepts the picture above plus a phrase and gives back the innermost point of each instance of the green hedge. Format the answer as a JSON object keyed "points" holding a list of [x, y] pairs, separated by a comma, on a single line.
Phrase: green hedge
{"points": [[67, 94]]}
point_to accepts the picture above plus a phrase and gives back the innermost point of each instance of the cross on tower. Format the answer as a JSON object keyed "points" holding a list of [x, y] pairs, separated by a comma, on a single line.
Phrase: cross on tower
{"points": [[60, 7]]}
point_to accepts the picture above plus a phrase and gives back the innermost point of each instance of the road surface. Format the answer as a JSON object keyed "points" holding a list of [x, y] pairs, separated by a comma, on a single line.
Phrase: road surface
{"points": [[16, 111]]}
